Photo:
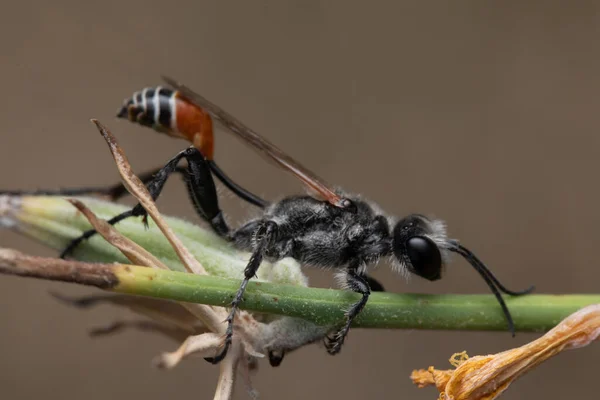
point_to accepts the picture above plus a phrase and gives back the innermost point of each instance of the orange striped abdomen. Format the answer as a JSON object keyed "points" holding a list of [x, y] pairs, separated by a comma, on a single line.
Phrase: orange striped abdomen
{"points": [[165, 111]]}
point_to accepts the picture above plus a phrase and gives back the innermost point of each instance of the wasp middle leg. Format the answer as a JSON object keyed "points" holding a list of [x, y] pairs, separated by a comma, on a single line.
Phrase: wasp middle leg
{"points": [[264, 236]]}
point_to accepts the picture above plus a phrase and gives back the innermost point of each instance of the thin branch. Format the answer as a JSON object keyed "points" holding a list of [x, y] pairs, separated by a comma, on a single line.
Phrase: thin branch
{"points": [[321, 306]]}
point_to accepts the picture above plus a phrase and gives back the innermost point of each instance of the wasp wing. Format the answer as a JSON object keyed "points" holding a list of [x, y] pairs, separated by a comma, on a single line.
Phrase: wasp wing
{"points": [[267, 148]]}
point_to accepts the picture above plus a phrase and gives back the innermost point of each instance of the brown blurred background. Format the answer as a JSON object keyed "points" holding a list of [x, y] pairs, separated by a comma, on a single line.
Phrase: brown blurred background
{"points": [[482, 114]]}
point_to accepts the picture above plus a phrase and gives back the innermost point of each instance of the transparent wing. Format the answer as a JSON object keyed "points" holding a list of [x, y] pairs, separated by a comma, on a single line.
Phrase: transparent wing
{"points": [[310, 179]]}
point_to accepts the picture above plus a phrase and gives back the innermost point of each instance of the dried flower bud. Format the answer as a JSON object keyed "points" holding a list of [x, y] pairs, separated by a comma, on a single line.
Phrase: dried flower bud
{"points": [[486, 377]]}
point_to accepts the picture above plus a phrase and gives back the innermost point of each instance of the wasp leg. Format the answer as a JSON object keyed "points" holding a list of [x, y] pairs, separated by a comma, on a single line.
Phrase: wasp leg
{"points": [[275, 358], [200, 187], [358, 284], [117, 191], [203, 193], [114, 192], [373, 283], [235, 188], [265, 234], [136, 211]]}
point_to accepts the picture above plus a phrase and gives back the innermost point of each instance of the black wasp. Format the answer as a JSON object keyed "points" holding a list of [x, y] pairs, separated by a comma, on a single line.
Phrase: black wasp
{"points": [[337, 230]]}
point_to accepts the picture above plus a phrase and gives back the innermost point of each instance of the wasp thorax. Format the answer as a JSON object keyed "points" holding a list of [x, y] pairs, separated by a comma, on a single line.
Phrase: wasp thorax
{"points": [[414, 247]]}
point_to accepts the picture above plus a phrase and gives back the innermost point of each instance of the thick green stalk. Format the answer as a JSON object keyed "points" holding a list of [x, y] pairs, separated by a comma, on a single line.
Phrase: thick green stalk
{"points": [[384, 310]]}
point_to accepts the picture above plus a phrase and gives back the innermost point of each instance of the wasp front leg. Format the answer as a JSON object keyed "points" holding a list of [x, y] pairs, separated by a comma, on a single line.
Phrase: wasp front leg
{"points": [[155, 186], [357, 283]]}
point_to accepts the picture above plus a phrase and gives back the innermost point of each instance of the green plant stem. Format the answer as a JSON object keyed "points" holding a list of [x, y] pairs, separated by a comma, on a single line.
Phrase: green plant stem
{"points": [[384, 310], [320, 306]]}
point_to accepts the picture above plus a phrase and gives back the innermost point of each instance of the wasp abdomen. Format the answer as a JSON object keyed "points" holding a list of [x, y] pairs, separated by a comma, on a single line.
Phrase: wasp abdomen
{"points": [[152, 107], [163, 110]]}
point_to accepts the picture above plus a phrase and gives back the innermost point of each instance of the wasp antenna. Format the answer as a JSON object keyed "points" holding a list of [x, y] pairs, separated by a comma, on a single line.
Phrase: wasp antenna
{"points": [[488, 278], [472, 258]]}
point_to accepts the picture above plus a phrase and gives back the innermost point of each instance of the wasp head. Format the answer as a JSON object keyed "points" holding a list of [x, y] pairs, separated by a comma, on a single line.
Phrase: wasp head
{"points": [[418, 244]]}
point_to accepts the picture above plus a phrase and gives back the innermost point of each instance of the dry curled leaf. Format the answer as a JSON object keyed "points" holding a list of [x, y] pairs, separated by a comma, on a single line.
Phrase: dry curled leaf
{"points": [[486, 377]]}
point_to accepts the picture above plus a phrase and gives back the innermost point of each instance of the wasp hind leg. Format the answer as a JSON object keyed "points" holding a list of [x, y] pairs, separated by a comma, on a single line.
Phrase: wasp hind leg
{"points": [[200, 188], [359, 284], [113, 192], [235, 188]]}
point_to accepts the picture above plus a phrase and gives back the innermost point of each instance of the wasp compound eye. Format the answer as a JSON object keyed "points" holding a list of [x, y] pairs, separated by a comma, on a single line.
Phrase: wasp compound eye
{"points": [[425, 257]]}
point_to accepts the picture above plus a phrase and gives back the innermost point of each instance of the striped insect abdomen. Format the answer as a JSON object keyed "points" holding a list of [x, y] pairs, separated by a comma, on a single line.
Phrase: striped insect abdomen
{"points": [[163, 110]]}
